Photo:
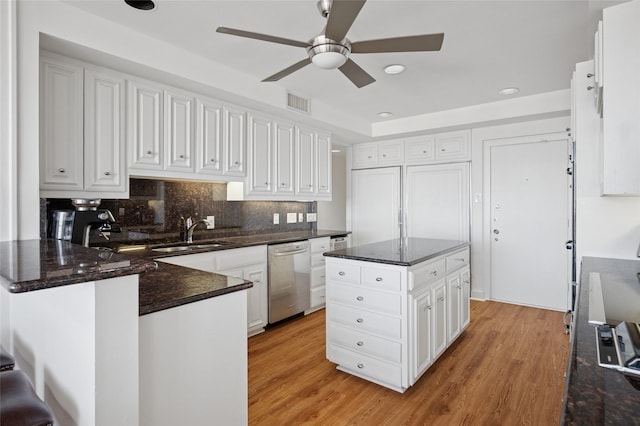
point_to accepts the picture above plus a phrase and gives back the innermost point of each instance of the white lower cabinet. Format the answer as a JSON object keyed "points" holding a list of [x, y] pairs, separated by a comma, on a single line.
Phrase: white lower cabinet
{"points": [[387, 323], [317, 247], [249, 263]]}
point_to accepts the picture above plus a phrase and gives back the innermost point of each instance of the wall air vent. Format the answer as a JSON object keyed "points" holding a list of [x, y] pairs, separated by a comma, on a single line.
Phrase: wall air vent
{"points": [[297, 103]]}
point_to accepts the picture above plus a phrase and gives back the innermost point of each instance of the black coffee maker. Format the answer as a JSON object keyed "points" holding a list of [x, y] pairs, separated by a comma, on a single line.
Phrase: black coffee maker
{"points": [[87, 217]]}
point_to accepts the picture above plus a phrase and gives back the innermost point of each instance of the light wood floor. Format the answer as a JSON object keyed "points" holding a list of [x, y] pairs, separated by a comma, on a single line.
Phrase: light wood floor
{"points": [[506, 369]]}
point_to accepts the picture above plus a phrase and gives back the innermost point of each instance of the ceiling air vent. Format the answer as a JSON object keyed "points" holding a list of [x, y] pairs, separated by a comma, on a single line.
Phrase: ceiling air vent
{"points": [[298, 103]]}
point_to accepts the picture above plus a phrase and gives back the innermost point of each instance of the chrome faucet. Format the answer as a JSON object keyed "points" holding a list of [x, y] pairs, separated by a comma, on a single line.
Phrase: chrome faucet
{"points": [[192, 227]]}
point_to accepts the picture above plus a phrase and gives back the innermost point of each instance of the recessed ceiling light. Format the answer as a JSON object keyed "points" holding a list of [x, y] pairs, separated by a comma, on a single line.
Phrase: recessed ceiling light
{"points": [[394, 68], [385, 114], [508, 91], [141, 4]]}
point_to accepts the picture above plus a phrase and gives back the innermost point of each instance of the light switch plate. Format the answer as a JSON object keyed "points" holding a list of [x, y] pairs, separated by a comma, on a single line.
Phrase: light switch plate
{"points": [[291, 218], [212, 222], [300, 217], [312, 217], [276, 218]]}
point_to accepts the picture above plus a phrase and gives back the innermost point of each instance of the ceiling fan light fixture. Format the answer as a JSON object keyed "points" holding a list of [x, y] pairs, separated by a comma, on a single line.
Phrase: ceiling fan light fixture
{"points": [[394, 69], [328, 54]]}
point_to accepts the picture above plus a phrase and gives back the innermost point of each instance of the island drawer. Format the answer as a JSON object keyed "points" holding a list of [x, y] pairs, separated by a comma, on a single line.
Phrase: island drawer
{"points": [[382, 325], [427, 273], [360, 297], [365, 343], [345, 272], [457, 260], [367, 366], [387, 279]]}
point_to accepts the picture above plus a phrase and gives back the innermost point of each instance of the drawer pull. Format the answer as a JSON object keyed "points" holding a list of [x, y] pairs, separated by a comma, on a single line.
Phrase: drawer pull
{"points": [[360, 365], [360, 320], [341, 273], [107, 173], [61, 170], [360, 343], [378, 279], [434, 273], [359, 298], [460, 259]]}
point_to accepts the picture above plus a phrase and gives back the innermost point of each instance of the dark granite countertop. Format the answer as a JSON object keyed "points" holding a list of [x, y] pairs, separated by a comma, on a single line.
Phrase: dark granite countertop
{"points": [[596, 395], [406, 252], [31, 265], [171, 286]]}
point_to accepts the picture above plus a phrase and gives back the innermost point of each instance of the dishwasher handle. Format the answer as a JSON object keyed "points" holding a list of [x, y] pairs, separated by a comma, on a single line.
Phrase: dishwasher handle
{"points": [[290, 252]]}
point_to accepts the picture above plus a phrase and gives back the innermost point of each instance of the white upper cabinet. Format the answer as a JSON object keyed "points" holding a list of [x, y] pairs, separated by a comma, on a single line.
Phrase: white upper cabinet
{"points": [[61, 130], [82, 131], [284, 139], [235, 140], [620, 58], [145, 125], [426, 149], [178, 130], [305, 161], [324, 166], [104, 155], [209, 146], [260, 143]]}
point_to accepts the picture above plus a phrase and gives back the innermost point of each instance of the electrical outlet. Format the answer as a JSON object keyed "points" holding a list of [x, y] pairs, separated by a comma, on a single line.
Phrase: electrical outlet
{"points": [[276, 218], [312, 217], [212, 222], [291, 217], [300, 217], [121, 211]]}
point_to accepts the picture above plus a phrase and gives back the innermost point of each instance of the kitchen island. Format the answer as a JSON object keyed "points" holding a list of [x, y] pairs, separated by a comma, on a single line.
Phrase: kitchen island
{"points": [[596, 395], [393, 307]]}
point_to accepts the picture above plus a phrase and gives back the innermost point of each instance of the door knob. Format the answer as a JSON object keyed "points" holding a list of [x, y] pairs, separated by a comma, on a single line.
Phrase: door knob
{"points": [[496, 231]]}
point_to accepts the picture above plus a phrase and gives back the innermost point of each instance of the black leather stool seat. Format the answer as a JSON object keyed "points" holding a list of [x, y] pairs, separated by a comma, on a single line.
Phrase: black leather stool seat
{"points": [[6, 360], [19, 404]]}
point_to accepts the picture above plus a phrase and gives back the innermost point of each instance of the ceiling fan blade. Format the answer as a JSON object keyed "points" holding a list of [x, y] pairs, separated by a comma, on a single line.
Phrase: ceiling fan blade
{"points": [[418, 43], [264, 37], [285, 72], [341, 17], [357, 75]]}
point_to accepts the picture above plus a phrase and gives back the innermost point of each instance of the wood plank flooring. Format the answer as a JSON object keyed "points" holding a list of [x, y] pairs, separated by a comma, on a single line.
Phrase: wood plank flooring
{"points": [[506, 369]]}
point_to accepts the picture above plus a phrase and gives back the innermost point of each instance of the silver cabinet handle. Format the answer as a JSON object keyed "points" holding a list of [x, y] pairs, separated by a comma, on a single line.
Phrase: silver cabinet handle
{"points": [[61, 170], [378, 279], [107, 173], [359, 320], [360, 343], [213, 160], [341, 273], [282, 184], [360, 365], [236, 163], [181, 156], [149, 152], [434, 273], [359, 298]]}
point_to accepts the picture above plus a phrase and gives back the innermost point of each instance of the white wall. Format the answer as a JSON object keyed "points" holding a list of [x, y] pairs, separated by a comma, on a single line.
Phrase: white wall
{"points": [[333, 214], [605, 226]]}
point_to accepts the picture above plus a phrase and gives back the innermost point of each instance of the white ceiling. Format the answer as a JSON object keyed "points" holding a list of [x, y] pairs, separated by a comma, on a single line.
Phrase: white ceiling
{"points": [[488, 45]]}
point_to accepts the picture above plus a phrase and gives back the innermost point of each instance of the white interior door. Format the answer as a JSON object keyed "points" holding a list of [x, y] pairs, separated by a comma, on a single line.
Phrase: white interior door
{"points": [[375, 205], [529, 225]]}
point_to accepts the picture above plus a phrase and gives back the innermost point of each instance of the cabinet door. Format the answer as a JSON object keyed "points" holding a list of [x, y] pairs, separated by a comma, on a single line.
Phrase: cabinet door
{"points": [[234, 142], [391, 153], [323, 149], [439, 319], [61, 130], [284, 157], [178, 130], [453, 146], [257, 303], [260, 155], [437, 201], [454, 293], [419, 149], [305, 162], [208, 136], [465, 307], [421, 327], [145, 125], [365, 155], [104, 158]]}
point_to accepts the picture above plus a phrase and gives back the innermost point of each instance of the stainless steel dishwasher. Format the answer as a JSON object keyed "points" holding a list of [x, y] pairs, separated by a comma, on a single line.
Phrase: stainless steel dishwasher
{"points": [[289, 280]]}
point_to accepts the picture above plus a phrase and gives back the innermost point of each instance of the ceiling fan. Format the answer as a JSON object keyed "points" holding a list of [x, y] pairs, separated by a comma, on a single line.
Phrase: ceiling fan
{"points": [[331, 49]]}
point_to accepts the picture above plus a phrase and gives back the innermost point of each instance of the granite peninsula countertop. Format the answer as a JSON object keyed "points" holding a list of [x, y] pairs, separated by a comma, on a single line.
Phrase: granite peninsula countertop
{"points": [[401, 252], [596, 395]]}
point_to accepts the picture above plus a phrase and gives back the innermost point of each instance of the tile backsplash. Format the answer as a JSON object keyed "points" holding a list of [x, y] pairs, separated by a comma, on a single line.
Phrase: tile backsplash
{"points": [[157, 206]]}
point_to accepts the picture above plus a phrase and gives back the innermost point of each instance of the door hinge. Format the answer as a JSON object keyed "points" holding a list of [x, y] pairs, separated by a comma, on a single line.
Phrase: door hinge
{"points": [[569, 171]]}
